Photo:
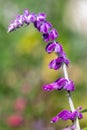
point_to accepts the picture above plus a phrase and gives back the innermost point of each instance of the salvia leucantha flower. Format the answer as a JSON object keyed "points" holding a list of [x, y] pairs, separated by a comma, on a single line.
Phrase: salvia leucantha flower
{"points": [[49, 35], [60, 84], [67, 115]]}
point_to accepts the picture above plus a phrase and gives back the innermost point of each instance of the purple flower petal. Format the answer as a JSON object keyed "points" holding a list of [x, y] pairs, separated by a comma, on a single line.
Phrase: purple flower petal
{"points": [[37, 25], [54, 119], [80, 116], [44, 28], [48, 87], [61, 82], [30, 18], [11, 27], [56, 63], [41, 17], [50, 47], [67, 115], [64, 115], [58, 48], [69, 86], [46, 37], [54, 46], [74, 115], [53, 34], [20, 20], [26, 12]]}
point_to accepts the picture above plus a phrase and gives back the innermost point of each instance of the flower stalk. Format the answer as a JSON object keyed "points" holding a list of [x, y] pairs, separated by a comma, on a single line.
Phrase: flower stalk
{"points": [[76, 122]]}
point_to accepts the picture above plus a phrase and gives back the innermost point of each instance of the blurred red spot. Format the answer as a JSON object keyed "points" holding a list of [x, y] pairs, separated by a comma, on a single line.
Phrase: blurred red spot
{"points": [[14, 120]]}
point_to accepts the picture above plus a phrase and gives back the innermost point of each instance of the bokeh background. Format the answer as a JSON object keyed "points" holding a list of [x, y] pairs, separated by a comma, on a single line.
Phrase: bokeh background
{"points": [[24, 64]]}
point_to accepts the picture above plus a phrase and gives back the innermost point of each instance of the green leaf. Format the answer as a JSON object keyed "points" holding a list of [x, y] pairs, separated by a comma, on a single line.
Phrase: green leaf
{"points": [[85, 110], [85, 128]]}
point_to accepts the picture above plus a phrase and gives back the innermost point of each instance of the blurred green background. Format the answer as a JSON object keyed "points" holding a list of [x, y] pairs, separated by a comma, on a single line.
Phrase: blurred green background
{"points": [[24, 64]]}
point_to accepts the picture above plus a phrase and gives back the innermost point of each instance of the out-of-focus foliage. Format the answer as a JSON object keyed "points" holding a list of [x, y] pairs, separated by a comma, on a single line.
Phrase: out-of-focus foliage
{"points": [[24, 64]]}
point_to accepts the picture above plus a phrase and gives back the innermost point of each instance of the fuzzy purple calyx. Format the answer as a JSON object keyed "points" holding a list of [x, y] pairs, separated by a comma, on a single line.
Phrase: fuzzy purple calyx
{"points": [[60, 84], [67, 115], [41, 17], [58, 62], [45, 27]]}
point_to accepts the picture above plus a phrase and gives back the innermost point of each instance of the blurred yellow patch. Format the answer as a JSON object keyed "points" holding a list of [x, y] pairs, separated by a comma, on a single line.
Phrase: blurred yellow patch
{"points": [[49, 75], [28, 42]]}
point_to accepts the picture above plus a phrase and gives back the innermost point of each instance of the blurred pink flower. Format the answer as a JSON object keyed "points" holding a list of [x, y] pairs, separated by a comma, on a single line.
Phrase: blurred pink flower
{"points": [[14, 120], [20, 104]]}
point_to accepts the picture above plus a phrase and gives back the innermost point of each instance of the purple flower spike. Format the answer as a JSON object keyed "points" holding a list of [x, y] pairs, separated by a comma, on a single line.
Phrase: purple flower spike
{"points": [[56, 63], [44, 28], [41, 17]]}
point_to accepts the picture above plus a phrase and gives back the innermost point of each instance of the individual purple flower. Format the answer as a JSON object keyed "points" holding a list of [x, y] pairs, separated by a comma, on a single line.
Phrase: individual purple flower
{"points": [[45, 27], [18, 22], [31, 17], [41, 17], [54, 46], [66, 115], [37, 25], [59, 49], [57, 63], [50, 47], [59, 84], [26, 12], [53, 34]]}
